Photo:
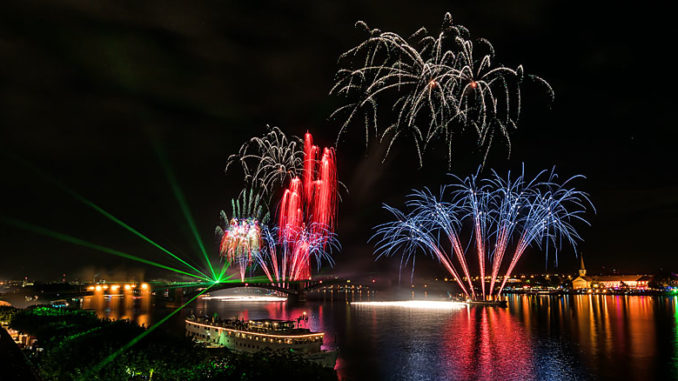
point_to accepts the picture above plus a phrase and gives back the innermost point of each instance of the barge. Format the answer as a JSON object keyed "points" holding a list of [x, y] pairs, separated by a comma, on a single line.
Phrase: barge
{"points": [[262, 334]]}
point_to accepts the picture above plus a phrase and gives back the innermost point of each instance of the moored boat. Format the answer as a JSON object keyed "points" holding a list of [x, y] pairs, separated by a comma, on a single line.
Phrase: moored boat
{"points": [[257, 335]]}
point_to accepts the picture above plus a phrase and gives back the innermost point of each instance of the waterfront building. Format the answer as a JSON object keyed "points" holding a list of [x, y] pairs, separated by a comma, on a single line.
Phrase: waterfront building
{"points": [[582, 281], [636, 282]]}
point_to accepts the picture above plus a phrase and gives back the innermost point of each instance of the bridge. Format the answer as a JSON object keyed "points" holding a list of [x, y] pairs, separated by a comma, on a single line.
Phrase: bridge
{"points": [[295, 290]]}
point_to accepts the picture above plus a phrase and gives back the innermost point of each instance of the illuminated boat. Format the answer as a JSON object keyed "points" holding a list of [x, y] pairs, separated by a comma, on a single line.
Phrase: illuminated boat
{"points": [[257, 335], [61, 303]]}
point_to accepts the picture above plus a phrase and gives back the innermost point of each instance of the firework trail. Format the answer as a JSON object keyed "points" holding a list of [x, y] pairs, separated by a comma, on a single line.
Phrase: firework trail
{"points": [[288, 260], [307, 209], [269, 160], [548, 221], [503, 213], [442, 84], [409, 234], [506, 199], [240, 238], [306, 212], [433, 211]]}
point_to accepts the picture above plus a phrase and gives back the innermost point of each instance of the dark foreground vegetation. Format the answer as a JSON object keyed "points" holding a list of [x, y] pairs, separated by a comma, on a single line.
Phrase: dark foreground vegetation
{"points": [[76, 345]]}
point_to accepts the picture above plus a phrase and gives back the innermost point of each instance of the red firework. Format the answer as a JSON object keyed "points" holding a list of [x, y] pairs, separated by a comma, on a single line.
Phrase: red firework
{"points": [[307, 203]]}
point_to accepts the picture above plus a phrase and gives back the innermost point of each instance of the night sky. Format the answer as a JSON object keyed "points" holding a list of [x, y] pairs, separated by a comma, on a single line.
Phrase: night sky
{"points": [[86, 87]]}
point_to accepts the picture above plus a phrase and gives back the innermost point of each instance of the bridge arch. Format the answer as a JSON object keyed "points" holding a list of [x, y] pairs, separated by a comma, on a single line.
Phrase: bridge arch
{"points": [[266, 286], [296, 291]]}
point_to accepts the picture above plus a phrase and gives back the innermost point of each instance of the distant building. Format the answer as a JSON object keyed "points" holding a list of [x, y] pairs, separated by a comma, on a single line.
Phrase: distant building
{"points": [[582, 281], [639, 282]]}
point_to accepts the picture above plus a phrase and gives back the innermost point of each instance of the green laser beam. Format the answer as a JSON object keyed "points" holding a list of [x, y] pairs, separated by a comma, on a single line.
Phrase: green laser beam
{"points": [[183, 204], [79, 334], [162, 283], [140, 235], [197, 284], [251, 280], [223, 280], [125, 347], [98, 209], [77, 241], [224, 267]]}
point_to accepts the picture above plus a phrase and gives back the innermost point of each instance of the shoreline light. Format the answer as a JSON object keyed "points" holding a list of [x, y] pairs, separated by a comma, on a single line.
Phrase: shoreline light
{"points": [[416, 304]]}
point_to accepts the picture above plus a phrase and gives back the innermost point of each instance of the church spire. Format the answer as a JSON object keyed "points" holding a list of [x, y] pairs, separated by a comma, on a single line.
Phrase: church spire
{"points": [[582, 269]]}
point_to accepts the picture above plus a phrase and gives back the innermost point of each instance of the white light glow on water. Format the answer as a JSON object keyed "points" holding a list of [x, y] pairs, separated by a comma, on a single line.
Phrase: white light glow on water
{"points": [[248, 298], [418, 304]]}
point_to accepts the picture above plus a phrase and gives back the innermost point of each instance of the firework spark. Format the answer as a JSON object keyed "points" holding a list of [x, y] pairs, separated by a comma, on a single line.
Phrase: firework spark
{"points": [[308, 207], [289, 259], [240, 239], [442, 85], [510, 213], [306, 211], [269, 160]]}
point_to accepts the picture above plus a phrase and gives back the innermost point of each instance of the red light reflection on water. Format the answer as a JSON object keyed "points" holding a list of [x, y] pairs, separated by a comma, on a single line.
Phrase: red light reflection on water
{"points": [[487, 343], [314, 321]]}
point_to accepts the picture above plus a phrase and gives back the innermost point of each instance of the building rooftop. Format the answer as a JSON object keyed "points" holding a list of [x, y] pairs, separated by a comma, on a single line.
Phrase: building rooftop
{"points": [[618, 278]]}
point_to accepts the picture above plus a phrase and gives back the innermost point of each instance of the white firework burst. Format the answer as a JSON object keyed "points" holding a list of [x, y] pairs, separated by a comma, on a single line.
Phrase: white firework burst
{"points": [[438, 87], [270, 160]]}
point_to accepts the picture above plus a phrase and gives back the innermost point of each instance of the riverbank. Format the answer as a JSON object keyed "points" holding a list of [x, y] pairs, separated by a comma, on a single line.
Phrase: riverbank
{"points": [[15, 366], [74, 344], [591, 291]]}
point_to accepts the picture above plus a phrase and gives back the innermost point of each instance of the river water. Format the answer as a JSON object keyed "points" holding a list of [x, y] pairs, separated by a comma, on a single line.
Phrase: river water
{"points": [[536, 338]]}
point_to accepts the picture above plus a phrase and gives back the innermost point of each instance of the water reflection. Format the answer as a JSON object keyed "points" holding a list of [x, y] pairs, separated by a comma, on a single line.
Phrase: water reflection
{"points": [[629, 337], [618, 333], [486, 343], [124, 304], [537, 337]]}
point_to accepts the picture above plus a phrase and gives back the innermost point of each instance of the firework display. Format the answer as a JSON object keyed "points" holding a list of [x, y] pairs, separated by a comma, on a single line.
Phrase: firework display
{"points": [[430, 91], [305, 213], [307, 208], [240, 238], [284, 260], [437, 87], [501, 214], [269, 160]]}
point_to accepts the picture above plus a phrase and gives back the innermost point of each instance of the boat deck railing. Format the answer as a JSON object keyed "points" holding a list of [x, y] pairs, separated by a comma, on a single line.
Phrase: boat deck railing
{"points": [[245, 326]]}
